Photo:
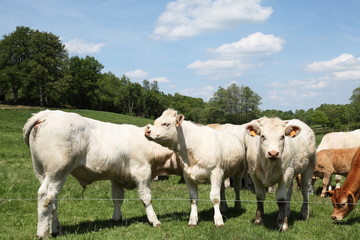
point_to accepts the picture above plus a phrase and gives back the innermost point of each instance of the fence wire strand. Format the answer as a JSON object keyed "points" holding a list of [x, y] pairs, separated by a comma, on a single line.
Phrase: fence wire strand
{"points": [[166, 199]]}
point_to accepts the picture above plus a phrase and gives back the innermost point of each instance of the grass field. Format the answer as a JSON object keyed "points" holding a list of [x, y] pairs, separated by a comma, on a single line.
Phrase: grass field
{"points": [[88, 216]]}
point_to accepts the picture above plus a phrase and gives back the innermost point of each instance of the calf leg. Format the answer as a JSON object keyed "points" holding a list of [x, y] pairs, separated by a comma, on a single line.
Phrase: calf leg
{"points": [[337, 180], [283, 196], [326, 182], [117, 191], [216, 179], [55, 224], [47, 205], [193, 192], [145, 196], [237, 187], [223, 203], [260, 197], [306, 182]]}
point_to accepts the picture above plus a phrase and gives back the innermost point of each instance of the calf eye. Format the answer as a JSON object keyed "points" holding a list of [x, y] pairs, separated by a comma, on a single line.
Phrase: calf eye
{"points": [[282, 138], [165, 124], [263, 137]]}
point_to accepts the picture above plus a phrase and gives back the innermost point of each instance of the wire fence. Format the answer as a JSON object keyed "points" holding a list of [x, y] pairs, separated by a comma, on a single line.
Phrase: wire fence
{"points": [[166, 199]]}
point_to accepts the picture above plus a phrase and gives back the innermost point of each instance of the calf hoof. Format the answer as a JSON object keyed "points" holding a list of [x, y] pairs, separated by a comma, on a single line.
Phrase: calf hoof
{"points": [[157, 225], [284, 228], [283, 225], [40, 236], [117, 220], [191, 225], [219, 225], [258, 221], [56, 232]]}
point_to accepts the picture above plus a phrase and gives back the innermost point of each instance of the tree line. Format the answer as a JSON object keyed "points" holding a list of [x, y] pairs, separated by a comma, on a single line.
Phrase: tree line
{"points": [[35, 69]]}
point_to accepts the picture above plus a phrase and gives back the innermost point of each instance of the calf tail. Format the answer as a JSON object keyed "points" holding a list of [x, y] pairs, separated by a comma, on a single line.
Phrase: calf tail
{"points": [[32, 122]]}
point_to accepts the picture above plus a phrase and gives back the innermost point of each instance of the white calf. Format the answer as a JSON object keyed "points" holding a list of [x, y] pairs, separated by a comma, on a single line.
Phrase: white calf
{"points": [[276, 152], [65, 143], [207, 155]]}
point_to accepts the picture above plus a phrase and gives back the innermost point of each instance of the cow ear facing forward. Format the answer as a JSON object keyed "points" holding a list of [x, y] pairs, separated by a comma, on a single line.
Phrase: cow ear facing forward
{"points": [[253, 130], [292, 131], [179, 119]]}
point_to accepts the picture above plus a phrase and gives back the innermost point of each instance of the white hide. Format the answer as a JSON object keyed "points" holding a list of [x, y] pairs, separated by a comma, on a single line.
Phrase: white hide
{"points": [[66, 143], [336, 140], [277, 151], [207, 155], [240, 132]]}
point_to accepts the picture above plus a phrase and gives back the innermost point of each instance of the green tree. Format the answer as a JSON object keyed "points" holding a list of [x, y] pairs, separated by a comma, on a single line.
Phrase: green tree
{"points": [[319, 117], [234, 105], [108, 93], [153, 107], [46, 66], [85, 75], [300, 114], [337, 114], [355, 104], [216, 111], [191, 107], [250, 102], [14, 57], [31, 62]]}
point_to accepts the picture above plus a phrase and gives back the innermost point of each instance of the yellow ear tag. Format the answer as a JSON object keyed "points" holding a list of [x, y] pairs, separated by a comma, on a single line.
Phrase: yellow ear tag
{"points": [[293, 133], [253, 133]]}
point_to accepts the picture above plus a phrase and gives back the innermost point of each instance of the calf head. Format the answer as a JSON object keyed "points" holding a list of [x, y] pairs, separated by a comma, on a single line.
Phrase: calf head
{"points": [[272, 133], [343, 201], [165, 129]]}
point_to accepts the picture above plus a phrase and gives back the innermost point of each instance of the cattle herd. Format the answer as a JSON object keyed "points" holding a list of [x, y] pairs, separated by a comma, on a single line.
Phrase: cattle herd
{"points": [[270, 151]]}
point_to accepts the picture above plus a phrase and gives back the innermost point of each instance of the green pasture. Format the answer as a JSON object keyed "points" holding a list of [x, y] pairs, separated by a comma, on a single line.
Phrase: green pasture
{"points": [[88, 215]]}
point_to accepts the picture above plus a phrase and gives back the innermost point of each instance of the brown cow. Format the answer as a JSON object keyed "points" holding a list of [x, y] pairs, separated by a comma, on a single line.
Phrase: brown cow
{"points": [[332, 161], [344, 199]]}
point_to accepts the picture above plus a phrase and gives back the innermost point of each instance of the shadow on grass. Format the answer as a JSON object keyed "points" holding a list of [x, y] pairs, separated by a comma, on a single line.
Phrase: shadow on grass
{"points": [[349, 221], [99, 225], [270, 220]]}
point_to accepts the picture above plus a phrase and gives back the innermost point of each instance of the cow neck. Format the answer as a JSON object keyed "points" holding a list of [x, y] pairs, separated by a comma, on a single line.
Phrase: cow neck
{"points": [[181, 146], [352, 182]]}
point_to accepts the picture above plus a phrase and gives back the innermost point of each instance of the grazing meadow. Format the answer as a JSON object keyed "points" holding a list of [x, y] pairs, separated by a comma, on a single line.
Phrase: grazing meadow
{"points": [[87, 215]]}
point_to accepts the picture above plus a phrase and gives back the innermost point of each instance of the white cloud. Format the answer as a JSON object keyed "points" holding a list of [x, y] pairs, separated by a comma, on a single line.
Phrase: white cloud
{"points": [[187, 18], [206, 92], [231, 60], [138, 73], [79, 46], [313, 83], [344, 62], [347, 75], [257, 43], [160, 79], [219, 68]]}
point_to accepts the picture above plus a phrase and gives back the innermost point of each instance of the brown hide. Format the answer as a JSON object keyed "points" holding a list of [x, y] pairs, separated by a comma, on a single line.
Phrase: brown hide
{"points": [[344, 198], [333, 161]]}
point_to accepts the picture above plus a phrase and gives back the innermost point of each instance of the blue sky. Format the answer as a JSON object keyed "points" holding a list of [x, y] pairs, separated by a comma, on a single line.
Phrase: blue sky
{"points": [[294, 54]]}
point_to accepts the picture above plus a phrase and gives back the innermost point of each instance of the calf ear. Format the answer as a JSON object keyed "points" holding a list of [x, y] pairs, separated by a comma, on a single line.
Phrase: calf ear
{"points": [[292, 131], [253, 130], [330, 193], [350, 198], [179, 119]]}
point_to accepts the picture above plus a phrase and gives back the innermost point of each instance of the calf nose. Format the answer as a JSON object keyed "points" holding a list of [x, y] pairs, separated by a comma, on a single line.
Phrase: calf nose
{"points": [[147, 131], [333, 218], [273, 153]]}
